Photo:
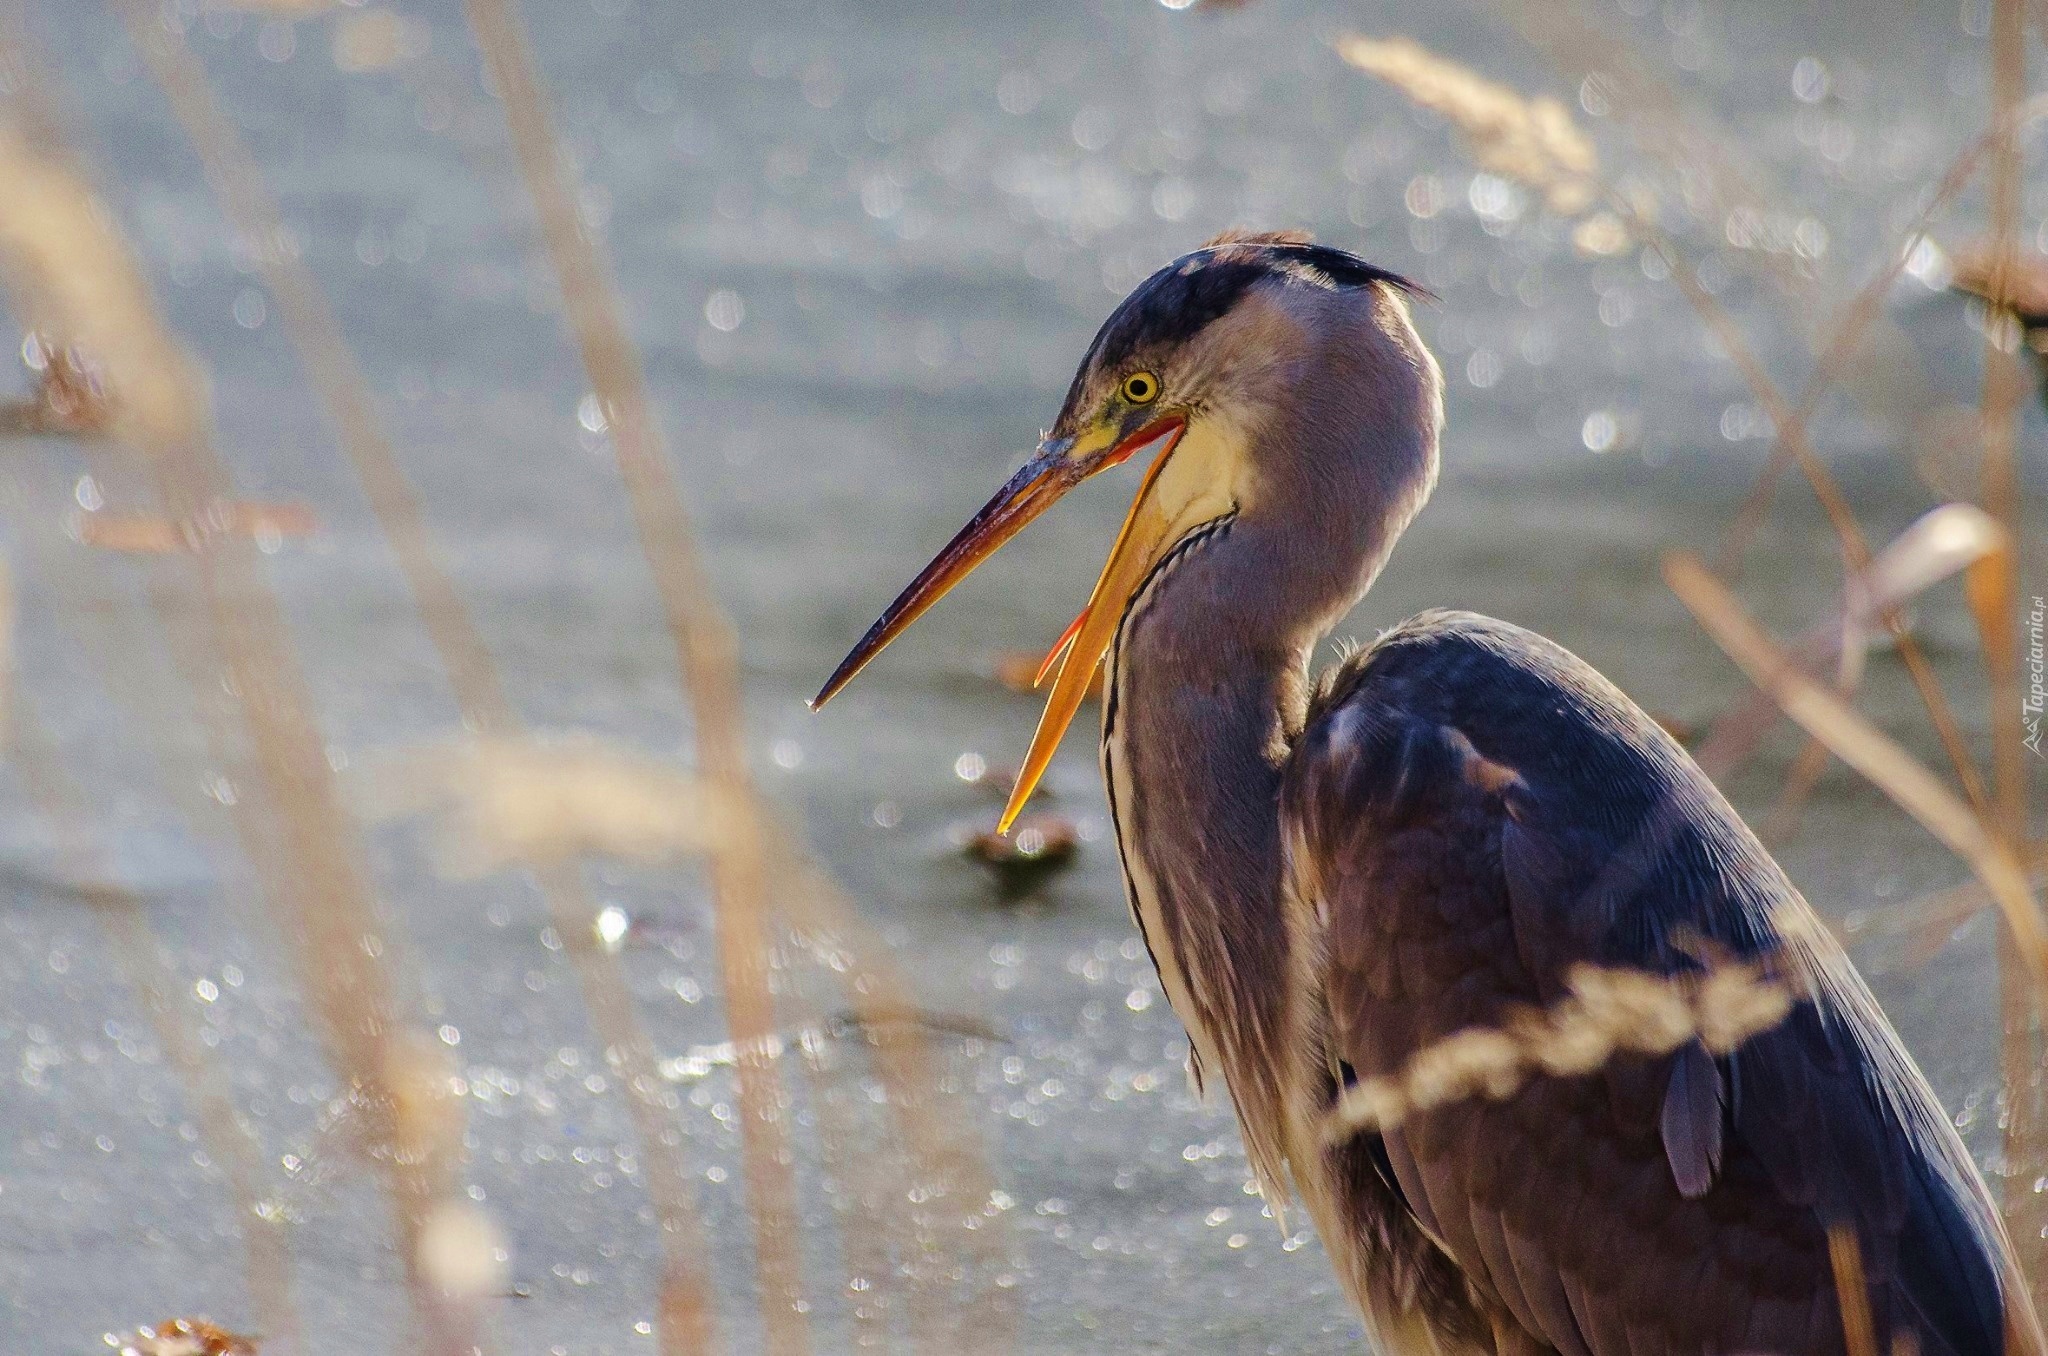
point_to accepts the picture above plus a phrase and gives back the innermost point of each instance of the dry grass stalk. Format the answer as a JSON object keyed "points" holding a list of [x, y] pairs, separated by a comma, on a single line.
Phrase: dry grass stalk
{"points": [[1855, 320], [1681, 136], [705, 651], [515, 802], [70, 277], [685, 1301], [1938, 544], [1935, 546], [344, 963], [201, 1077], [1852, 1291], [333, 927], [1505, 133], [684, 1304], [144, 534], [2012, 282], [864, 1186], [1610, 1012], [1531, 141], [1931, 920], [1628, 220], [1855, 548], [111, 625], [935, 1124], [1866, 749], [1994, 599], [337, 378], [460, 1253], [378, 39]]}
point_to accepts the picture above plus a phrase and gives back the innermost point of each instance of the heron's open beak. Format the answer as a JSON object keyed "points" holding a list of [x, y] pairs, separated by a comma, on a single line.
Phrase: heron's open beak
{"points": [[1058, 466]]}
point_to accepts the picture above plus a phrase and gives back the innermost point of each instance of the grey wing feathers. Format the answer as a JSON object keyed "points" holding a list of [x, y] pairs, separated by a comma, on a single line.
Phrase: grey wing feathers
{"points": [[1476, 812]]}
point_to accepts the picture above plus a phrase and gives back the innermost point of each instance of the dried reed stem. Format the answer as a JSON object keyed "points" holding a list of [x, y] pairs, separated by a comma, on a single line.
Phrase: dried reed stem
{"points": [[1610, 1012], [335, 935], [1852, 1291], [1869, 751], [54, 249], [1939, 543], [1995, 602], [864, 1185], [705, 652], [202, 1080], [935, 1128], [335, 932], [1856, 318], [1533, 141], [1855, 548], [1537, 143], [1684, 138], [1932, 918], [508, 802], [686, 1306]]}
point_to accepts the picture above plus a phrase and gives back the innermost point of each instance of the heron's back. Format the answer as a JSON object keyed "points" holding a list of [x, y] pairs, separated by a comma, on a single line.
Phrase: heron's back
{"points": [[1477, 812]]}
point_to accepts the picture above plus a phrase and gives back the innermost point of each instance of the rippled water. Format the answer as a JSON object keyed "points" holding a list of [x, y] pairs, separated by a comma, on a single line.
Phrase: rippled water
{"points": [[863, 245]]}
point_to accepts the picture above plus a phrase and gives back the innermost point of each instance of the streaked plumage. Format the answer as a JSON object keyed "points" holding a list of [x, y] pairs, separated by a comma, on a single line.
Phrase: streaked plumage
{"points": [[1329, 884]]}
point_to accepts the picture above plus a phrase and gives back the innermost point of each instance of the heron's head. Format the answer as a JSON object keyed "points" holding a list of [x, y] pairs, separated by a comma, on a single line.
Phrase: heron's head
{"points": [[1191, 377]]}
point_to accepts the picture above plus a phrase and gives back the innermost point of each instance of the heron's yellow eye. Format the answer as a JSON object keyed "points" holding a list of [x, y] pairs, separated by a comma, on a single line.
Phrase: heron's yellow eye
{"points": [[1140, 388]]}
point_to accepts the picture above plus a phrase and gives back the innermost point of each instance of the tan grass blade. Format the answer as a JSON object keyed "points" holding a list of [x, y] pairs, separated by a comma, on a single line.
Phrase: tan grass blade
{"points": [[506, 802], [1536, 142], [348, 985], [1680, 135], [1866, 749], [1931, 919], [309, 322], [705, 652], [1533, 141], [1852, 1291], [1610, 1011], [1939, 543], [200, 1075], [1853, 322], [147, 534], [1994, 599], [69, 277], [1855, 548]]}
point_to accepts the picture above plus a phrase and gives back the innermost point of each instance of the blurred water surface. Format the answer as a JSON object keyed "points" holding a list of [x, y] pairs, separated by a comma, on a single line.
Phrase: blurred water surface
{"points": [[862, 246]]}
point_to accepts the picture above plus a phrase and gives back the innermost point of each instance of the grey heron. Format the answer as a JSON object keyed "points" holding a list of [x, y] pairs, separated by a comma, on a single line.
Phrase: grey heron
{"points": [[1332, 877]]}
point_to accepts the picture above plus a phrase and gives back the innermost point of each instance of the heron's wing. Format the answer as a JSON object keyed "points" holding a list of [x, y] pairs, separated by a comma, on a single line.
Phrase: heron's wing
{"points": [[1475, 812]]}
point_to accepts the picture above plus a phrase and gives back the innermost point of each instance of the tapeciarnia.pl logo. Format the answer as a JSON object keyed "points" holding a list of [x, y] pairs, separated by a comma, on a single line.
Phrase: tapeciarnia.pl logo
{"points": [[2037, 677]]}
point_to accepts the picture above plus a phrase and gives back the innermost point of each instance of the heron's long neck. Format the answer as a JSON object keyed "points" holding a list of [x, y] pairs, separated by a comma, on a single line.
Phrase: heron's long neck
{"points": [[1208, 677], [1205, 677]]}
